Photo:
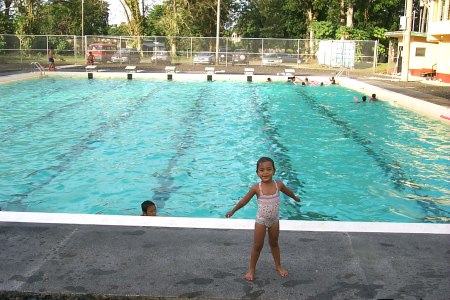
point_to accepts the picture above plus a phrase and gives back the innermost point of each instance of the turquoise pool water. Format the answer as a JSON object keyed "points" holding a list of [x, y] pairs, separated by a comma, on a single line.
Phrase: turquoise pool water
{"points": [[104, 146]]}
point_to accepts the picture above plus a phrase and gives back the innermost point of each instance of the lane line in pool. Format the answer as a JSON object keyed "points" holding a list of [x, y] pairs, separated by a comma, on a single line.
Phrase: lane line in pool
{"points": [[397, 175], [77, 150], [53, 90], [285, 169], [12, 130], [164, 188], [224, 224]]}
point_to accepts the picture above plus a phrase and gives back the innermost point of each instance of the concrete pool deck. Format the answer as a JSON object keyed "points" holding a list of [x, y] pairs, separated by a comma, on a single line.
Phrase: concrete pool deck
{"points": [[61, 256], [152, 258]]}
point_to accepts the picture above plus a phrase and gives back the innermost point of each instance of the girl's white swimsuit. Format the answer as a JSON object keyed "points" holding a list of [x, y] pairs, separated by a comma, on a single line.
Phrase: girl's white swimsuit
{"points": [[268, 208]]}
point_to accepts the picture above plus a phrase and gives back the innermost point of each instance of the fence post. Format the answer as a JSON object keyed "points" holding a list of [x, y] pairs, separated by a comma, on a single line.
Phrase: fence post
{"points": [[20, 49], [375, 56], [262, 48], [226, 52], [75, 47], [85, 46], [191, 49]]}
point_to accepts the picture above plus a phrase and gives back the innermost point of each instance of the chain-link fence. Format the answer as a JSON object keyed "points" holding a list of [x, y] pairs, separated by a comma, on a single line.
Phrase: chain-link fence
{"points": [[156, 50]]}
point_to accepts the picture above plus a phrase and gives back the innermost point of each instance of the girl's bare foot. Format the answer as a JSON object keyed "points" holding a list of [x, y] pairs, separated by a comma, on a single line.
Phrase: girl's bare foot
{"points": [[249, 276], [283, 272]]}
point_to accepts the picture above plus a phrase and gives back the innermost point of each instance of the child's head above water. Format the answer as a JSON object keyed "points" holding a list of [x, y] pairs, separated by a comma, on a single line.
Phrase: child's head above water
{"points": [[148, 208], [263, 160]]}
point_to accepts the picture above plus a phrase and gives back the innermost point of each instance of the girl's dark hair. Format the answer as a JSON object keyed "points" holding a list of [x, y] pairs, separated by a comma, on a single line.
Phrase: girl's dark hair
{"points": [[146, 204], [264, 159]]}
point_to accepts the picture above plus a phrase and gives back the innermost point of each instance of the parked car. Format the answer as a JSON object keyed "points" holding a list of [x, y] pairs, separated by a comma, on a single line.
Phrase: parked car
{"points": [[271, 59], [241, 57], [275, 59], [289, 58], [126, 55], [205, 58], [161, 57], [102, 51], [225, 56]]}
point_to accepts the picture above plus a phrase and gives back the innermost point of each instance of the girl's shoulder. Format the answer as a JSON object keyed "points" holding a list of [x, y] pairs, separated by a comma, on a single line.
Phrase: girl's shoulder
{"points": [[255, 187], [279, 183]]}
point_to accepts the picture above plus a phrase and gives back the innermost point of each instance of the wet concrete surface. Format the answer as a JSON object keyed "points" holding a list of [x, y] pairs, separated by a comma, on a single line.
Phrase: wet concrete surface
{"points": [[56, 261]]}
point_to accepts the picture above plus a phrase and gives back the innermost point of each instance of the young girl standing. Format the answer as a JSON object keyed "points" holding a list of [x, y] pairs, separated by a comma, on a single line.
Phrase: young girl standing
{"points": [[267, 217]]}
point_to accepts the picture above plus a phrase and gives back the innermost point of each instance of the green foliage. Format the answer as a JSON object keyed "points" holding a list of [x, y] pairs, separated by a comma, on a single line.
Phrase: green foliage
{"points": [[63, 17], [323, 29], [271, 19], [249, 18], [2, 44], [59, 43], [348, 33], [152, 25], [378, 33], [117, 30]]}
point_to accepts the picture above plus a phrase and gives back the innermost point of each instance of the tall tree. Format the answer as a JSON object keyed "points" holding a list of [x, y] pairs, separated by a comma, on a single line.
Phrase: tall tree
{"points": [[64, 17], [152, 24], [6, 20], [28, 18], [269, 18], [350, 10], [135, 14]]}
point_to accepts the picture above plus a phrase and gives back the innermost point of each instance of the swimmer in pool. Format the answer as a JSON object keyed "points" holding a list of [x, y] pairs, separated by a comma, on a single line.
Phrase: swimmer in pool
{"points": [[373, 98], [148, 208], [363, 99], [268, 214]]}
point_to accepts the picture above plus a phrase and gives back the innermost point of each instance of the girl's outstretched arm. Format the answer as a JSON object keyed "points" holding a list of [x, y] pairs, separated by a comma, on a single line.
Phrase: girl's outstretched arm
{"points": [[242, 202], [287, 191]]}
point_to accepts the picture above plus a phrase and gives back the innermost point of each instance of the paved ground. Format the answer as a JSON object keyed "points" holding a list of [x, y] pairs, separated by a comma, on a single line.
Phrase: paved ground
{"points": [[117, 262]]}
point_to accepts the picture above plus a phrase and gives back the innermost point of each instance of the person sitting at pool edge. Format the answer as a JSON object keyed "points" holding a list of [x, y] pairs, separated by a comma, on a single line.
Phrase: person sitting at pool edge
{"points": [[148, 208]]}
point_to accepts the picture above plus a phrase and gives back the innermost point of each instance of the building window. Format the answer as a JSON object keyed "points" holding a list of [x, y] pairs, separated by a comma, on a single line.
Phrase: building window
{"points": [[420, 51]]}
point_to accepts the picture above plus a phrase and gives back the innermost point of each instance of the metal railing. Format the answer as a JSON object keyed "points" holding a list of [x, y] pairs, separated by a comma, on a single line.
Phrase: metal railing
{"points": [[39, 67]]}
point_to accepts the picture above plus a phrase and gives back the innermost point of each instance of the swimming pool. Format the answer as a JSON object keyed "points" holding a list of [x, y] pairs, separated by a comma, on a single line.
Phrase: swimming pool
{"points": [[104, 146]]}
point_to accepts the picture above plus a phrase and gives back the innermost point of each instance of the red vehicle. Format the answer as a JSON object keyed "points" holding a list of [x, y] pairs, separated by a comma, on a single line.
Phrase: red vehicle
{"points": [[102, 51]]}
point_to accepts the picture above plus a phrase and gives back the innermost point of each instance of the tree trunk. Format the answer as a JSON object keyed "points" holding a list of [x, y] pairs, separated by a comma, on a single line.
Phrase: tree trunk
{"points": [[342, 12], [350, 14], [311, 32]]}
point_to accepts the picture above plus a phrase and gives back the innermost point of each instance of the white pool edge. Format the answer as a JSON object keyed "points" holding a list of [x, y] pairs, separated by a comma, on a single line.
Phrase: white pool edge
{"points": [[215, 223]]}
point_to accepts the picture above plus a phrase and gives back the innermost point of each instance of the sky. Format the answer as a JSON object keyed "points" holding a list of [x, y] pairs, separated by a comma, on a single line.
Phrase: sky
{"points": [[116, 12]]}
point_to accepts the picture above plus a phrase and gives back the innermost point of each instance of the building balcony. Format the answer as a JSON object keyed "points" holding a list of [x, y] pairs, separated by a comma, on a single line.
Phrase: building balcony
{"points": [[438, 31]]}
